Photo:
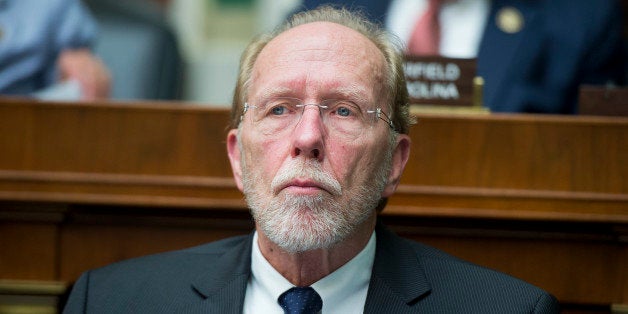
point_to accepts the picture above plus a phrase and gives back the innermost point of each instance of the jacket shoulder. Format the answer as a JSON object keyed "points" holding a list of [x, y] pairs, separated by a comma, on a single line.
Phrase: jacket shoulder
{"points": [[161, 283], [443, 283], [205, 252], [494, 291]]}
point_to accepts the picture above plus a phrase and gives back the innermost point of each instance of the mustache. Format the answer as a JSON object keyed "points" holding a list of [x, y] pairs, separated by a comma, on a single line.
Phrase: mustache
{"points": [[305, 170]]}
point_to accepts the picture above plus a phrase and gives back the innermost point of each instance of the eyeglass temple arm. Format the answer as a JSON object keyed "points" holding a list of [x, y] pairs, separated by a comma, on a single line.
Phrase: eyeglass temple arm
{"points": [[383, 116]]}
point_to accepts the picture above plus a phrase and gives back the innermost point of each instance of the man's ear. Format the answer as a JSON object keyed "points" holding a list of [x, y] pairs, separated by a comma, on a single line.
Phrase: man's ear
{"points": [[401, 154], [233, 150]]}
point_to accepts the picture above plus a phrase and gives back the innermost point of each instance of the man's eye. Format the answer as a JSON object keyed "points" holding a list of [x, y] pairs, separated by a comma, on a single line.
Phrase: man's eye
{"points": [[278, 110], [343, 111]]}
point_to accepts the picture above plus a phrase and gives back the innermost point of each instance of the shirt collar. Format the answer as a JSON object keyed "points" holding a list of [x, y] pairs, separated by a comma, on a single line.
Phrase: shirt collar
{"points": [[334, 288]]}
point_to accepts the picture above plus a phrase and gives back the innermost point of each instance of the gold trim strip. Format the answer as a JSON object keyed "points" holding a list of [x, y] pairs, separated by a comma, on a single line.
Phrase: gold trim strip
{"points": [[32, 287]]}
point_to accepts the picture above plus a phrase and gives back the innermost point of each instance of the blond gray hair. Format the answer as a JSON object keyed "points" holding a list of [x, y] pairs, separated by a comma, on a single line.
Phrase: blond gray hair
{"points": [[395, 84]]}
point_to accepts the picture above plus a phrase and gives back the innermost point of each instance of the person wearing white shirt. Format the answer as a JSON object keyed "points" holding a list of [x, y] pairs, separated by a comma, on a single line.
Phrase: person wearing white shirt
{"points": [[318, 142]]}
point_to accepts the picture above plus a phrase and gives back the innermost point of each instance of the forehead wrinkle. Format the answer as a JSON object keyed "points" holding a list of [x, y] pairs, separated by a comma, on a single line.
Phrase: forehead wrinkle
{"points": [[324, 44], [347, 50]]}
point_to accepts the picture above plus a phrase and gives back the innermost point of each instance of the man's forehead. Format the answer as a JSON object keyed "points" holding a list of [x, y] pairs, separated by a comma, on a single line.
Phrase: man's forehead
{"points": [[321, 35], [316, 29], [321, 44]]}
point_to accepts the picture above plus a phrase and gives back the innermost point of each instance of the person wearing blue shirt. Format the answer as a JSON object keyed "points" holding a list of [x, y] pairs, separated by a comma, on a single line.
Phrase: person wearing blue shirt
{"points": [[45, 45]]}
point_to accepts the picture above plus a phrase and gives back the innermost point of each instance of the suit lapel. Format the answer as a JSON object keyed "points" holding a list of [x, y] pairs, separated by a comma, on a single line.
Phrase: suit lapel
{"points": [[223, 284], [503, 53], [398, 279]]}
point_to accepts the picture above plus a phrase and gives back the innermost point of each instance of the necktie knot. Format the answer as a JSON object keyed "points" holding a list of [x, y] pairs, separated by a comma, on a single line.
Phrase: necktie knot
{"points": [[300, 300]]}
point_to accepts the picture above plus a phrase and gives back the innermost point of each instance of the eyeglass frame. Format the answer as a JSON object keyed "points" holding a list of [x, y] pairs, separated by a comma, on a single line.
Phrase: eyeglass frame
{"points": [[379, 113]]}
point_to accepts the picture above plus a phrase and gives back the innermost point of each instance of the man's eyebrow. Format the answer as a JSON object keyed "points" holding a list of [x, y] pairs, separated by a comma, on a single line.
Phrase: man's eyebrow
{"points": [[352, 93], [349, 93], [275, 91]]}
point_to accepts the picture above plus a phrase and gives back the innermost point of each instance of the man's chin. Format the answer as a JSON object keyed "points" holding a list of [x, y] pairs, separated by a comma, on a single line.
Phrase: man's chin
{"points": [[303, 231], [299, 245]]}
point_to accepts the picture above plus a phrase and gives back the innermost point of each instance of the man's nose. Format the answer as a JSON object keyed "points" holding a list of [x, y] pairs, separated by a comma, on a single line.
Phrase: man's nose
{"points": [[309, 134]]}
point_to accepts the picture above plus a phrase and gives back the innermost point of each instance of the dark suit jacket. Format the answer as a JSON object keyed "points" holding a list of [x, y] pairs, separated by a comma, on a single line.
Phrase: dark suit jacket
{"points": [[407, 277], [563, 44]]}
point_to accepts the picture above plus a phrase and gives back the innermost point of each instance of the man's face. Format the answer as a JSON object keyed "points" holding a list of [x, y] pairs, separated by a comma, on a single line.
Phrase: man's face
{"points": [[310, 185]]}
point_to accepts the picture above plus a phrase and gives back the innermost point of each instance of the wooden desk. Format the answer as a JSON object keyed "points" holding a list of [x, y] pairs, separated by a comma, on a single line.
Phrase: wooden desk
{"points": [[543, 198]]}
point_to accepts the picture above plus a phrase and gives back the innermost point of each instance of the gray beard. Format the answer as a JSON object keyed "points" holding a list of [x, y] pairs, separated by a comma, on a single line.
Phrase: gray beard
{"points": [[299, 223]]}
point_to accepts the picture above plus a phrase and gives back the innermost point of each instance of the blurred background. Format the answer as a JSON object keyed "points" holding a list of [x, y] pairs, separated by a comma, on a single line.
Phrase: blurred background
{"points": [[185, 50], [538, 198], [194, 45], [213, 34]]}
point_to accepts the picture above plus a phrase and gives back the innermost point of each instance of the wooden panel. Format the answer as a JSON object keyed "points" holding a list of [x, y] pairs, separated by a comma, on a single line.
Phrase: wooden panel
{"points": [[555, 153], [117, 138], [500, 166], [623, 274], [603, 101], [98, 240], [28, 251], [541, 197]]}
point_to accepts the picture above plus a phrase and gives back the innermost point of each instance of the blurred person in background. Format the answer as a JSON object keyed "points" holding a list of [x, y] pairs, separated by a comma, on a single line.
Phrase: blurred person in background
{"points": [[140, 49], [45, 51], [533, 55]]}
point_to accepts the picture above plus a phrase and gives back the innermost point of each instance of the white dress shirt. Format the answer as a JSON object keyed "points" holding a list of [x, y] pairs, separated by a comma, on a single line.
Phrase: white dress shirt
{"points": [[462, 24], [343, 291]]}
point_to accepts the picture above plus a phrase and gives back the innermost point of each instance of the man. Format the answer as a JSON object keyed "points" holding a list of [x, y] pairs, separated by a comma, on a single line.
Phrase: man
{"points": [[533, 55], [319, 141], [45, 51]]}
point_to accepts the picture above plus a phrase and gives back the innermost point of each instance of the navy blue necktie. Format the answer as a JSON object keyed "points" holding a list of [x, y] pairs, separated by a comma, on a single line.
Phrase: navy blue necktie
{"points": [[300, 300]]}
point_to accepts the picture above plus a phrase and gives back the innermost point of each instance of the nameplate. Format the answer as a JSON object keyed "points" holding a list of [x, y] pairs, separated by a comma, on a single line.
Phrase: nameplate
{"points": [[438, 82], [603, 100]]}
